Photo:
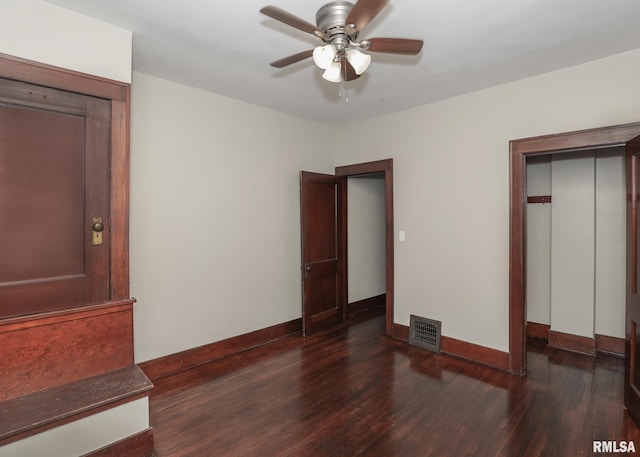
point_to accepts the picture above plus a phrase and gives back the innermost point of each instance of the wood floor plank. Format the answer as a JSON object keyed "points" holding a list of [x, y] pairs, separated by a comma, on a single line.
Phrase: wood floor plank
{"points": [[351, 391]]}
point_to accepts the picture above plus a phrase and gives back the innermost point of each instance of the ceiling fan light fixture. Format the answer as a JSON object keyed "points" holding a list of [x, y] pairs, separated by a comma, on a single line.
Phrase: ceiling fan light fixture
{"points": [[333, 73], [338, 25], [358, 60], [323, 56]]}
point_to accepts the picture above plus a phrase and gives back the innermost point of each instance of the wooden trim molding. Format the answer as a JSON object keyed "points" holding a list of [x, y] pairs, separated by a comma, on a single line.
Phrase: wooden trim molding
{"points": [[138, 445], [181, 361], [378, 301], [517, 312], [57, 317], [45, 350], [610, 345], [119, 212], [632, 225], [603, 344], [518, 151], [400, 332], [601, 137], [475, 353], [574, 343], [462, 349], [538, 331], [30, 71]]}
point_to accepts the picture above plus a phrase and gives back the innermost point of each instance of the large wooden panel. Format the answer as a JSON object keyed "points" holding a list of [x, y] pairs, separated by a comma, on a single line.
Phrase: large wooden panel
{"points": [[54, 179], [42, 192], [323, 213], [321, 200], [51, 349]]}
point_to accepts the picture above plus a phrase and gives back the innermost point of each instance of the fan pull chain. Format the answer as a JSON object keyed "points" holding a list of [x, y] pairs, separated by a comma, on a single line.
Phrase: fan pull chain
{"points": [[342, 87], [346, 95]]}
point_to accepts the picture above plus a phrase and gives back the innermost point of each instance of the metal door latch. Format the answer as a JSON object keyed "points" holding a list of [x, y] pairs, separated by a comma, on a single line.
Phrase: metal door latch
{"points": [[97, 227]]}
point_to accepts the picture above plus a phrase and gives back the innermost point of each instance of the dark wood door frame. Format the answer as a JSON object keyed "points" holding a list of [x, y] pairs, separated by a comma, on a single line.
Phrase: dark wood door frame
{"points": [[385, 167], [597, 138]]}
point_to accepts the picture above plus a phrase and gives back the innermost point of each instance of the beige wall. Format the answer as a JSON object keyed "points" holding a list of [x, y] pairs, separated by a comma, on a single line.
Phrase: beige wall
{"points": [[36, 30], [451, 177], [215, 225], [538, 256], [573, 243], [366, 237], [610, 252]]}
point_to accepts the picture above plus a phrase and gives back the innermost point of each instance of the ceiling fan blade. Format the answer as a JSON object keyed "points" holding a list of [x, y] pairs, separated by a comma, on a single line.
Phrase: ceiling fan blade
{"points": [[294, 21], [292, 59], [362, 13], [393, 45], [347, 71]]}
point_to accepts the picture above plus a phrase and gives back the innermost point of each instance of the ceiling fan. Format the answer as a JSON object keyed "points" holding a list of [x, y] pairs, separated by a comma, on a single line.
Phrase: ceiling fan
{"points": [[338, 25]]}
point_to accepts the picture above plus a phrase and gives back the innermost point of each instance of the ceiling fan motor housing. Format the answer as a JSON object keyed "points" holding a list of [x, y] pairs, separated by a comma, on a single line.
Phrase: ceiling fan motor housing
{"points": [[331, 19]]}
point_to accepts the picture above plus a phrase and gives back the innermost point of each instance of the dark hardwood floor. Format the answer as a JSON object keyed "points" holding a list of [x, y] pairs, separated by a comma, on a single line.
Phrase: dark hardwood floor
{"points": [[352, 391]]}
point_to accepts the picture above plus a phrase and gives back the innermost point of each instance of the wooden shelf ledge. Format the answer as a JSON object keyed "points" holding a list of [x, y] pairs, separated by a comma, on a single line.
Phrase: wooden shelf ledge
{"points": [[539, 199], [34, 413]]}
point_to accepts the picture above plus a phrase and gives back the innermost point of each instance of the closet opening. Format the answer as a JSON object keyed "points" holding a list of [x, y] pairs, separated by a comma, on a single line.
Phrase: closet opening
{"points": [[625, 136], [576, 248]]}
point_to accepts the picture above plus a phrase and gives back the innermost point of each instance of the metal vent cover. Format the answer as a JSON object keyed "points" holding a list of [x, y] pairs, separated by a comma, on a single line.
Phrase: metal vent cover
{"points": [[425, 333]]}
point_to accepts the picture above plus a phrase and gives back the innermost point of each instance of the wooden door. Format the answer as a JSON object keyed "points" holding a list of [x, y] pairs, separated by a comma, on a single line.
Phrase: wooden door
{"points": [[632, 354], [321, 200], [54, 187]]}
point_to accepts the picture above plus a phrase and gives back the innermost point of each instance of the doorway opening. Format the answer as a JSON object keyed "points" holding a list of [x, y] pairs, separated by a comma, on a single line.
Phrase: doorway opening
{"points": [[576, 248], [382, 170], [366, 243], [520, 150]]}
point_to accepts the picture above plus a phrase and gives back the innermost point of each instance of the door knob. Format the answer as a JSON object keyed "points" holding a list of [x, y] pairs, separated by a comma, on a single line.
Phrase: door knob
{"points": [[97, 226], [307, 268]]}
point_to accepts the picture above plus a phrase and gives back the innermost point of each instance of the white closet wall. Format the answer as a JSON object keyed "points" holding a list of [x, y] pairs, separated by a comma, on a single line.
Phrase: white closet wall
{"points": [[539, 242], [610, 294], [573, 243]]}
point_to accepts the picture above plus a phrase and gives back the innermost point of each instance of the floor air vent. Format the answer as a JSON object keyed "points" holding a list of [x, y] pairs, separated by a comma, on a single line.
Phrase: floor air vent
{"points": [[425, 333]]}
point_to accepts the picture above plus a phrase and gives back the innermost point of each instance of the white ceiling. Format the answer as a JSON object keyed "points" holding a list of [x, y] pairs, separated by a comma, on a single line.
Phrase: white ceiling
{"points": [[226, 47]]}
